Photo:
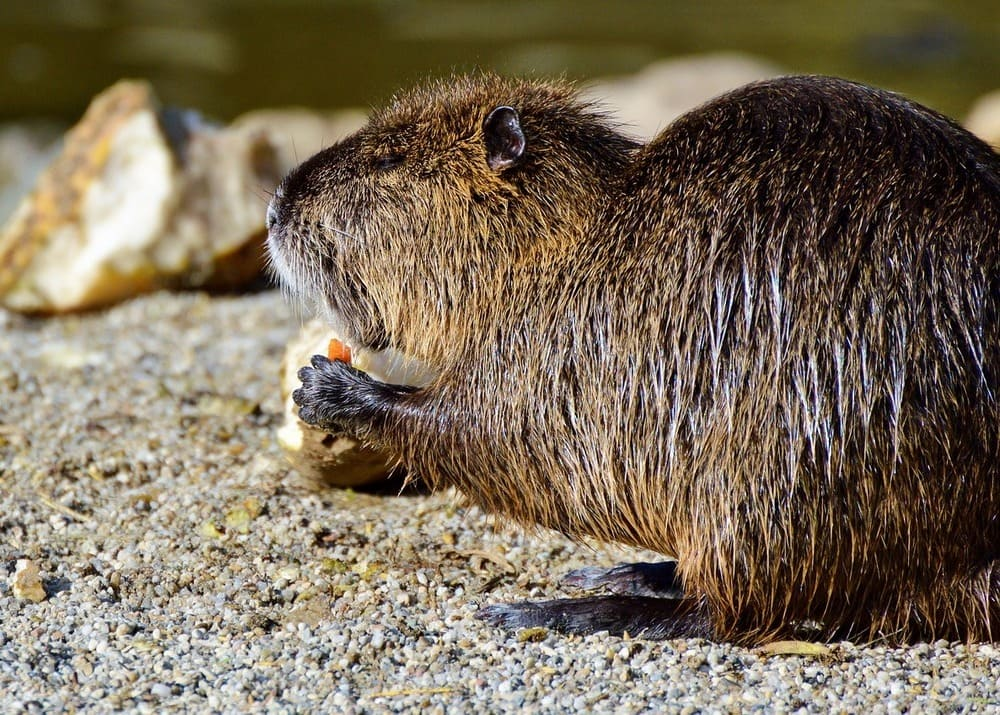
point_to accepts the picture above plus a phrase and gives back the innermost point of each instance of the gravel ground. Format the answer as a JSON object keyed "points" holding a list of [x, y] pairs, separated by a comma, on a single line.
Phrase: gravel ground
{"points": [[185, 568]]}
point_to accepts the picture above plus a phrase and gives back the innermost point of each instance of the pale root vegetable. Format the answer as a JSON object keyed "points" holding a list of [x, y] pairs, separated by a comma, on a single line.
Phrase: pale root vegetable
{"points": [[323, 458]]}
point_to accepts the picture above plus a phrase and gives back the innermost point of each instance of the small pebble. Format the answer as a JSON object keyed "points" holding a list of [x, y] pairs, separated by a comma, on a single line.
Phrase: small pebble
{"points": [[26, 582]]}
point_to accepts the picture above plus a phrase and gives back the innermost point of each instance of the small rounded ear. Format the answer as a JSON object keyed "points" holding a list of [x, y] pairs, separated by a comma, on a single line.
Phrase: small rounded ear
{"points": [[504, 138]]}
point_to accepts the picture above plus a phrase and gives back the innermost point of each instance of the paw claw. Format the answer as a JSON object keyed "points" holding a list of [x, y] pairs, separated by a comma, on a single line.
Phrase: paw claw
{"points": [[502, 615], [307, 414], [319, 361]]}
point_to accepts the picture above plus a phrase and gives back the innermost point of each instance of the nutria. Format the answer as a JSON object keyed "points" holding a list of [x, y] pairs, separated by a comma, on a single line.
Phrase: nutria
{"points": [[767, 344]]}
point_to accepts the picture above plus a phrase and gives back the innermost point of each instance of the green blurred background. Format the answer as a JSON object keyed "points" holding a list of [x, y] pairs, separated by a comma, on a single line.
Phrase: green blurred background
{"points": [[228, 56]]}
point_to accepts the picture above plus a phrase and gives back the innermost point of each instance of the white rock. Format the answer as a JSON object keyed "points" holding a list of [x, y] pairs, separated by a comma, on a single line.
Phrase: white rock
{"points": [[984, 118], [652, 98], [26, 582]]}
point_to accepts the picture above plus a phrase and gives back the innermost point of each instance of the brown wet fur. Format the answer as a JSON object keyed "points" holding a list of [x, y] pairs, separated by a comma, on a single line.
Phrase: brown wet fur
{"points": [[766, 343]]}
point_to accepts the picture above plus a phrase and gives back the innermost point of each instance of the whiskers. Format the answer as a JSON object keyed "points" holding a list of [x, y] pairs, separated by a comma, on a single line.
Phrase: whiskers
{"points": [[339, 231], [264, 194], [272, 271], [299, 274]]}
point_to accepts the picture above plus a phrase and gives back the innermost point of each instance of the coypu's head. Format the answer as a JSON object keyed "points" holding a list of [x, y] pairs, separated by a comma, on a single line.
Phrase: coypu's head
{"points": [[402, 231]]}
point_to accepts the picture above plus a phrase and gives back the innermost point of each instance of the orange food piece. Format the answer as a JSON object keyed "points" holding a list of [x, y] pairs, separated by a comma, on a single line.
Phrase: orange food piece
{"points": [[338, 351]]}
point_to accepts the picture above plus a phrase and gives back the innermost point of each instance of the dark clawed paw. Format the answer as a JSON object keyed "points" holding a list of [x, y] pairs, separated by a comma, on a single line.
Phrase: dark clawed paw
{"points": [[328, 393], [306, 396], [320, 362], [307, 413]]}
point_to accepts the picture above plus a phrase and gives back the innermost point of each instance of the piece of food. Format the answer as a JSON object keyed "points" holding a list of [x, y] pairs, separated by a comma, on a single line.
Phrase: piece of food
{"points": [[334, 459], [337, 350], [325, 459]]}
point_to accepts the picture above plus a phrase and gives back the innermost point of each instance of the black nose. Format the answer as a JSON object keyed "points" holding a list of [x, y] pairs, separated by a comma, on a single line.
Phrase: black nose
{"points": [[272, 214]]}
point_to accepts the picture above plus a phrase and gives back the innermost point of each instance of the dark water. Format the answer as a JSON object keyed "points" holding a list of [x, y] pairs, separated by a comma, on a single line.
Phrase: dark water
{"points": [[227, 56]]}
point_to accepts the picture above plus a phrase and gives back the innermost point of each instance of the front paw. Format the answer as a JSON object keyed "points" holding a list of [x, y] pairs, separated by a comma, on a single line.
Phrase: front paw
{"points": [[325, 398], [336, 396]]}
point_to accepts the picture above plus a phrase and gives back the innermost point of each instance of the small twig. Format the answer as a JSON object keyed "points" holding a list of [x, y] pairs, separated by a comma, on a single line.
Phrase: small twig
{"points": [[492, 556], [61, 508]]}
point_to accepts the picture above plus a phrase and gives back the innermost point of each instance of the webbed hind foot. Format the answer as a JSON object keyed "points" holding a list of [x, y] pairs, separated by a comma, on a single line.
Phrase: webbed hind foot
{"points": [[643, 600], [637, 616]]}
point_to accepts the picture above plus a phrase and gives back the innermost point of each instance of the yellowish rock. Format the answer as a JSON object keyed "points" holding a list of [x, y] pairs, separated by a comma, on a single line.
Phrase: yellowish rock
{"points": [[26, 582], [49, 259], [804, 648], [984, 118], [141, 198]]}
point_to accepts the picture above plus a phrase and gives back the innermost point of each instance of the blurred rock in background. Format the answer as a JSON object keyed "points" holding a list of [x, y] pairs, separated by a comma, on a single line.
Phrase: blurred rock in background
{"points": [[984, 118], [649, 100], [140, 197]]}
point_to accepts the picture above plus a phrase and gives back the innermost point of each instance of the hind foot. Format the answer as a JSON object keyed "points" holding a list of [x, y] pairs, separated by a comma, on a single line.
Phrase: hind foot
{"points": [[636, 616], [646, 601]]}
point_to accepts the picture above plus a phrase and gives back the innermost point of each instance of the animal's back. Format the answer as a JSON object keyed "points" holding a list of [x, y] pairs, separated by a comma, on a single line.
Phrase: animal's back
{"points": [[824, 262]]}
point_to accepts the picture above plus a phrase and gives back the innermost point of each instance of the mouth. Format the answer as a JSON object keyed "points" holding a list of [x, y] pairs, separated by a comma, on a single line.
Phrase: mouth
{"points": [[280, 260], [311, 283], [293, 267], [277, 268], [286, 261]]}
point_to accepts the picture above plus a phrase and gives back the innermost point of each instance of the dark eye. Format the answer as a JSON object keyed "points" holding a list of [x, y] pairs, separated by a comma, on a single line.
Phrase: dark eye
{"points": [[389, 161]]}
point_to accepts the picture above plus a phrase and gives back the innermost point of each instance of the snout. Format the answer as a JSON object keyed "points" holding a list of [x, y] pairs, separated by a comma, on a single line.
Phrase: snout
{"points": [[276, 223], [282, 223], [296, 194], [298, 244], [272, 222]]}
